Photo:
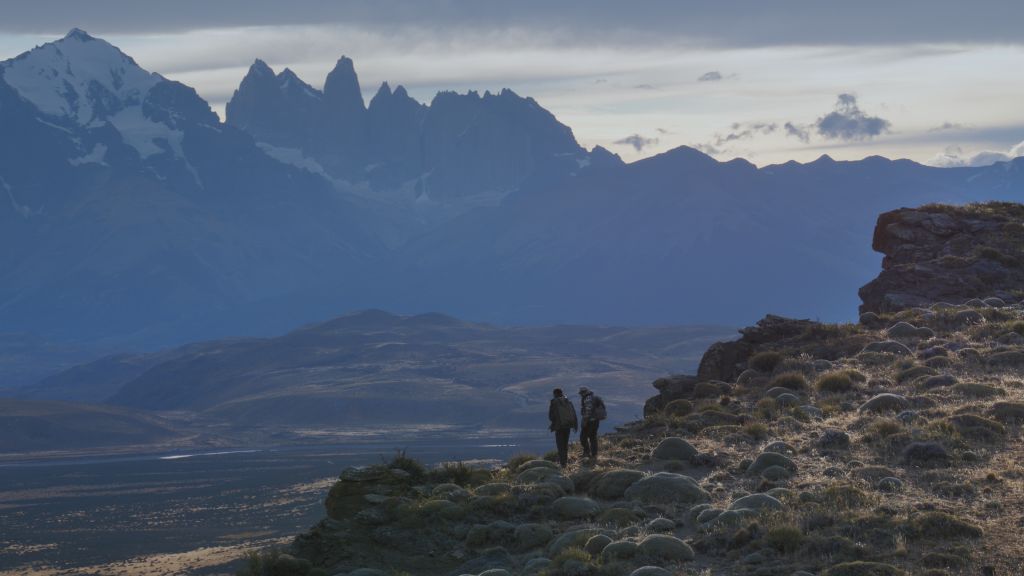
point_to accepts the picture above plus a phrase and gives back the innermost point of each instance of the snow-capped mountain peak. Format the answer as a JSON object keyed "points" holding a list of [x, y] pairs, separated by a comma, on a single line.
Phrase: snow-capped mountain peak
{"points": [[80, 78]]}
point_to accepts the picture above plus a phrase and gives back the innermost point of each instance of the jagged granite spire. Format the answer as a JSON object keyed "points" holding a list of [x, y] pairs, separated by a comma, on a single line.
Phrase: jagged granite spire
{"points": [[341, 88], [280, 109], [383, 93]]}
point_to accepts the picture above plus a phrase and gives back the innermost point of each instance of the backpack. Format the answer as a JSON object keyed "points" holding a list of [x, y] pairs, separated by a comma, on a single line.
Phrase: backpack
{"points": [[600, 412], [566, 413]]}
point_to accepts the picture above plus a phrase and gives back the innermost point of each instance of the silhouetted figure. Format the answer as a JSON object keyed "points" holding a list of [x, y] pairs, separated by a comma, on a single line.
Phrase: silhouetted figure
{"points": [[592, 411], [562, 415]]}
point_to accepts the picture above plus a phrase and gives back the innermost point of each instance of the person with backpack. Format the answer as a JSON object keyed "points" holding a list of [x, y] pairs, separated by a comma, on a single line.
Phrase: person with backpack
{"points": [[562, 415], [592, 410]]}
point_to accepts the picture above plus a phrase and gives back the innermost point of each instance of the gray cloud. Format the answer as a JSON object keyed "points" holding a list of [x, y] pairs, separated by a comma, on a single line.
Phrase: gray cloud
{"points": [[602, 22], [801, 133], [712, 76], [637, 141], [743, 131], [645, 87], [955, 157], [947, 126], [737, 131], [708, 149], [849, 122]]}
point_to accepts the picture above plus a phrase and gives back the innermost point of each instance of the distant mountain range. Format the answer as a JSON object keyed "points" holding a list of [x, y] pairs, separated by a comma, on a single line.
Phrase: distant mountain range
{"points": [[131, 214]]}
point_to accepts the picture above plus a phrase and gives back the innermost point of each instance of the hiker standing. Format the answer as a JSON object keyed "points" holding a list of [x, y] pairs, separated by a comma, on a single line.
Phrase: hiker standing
{"points": [[592, 411], [562, 415]]}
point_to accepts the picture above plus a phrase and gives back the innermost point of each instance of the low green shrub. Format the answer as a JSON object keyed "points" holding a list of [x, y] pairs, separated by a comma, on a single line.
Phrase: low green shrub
{"points": [[765, 361]]}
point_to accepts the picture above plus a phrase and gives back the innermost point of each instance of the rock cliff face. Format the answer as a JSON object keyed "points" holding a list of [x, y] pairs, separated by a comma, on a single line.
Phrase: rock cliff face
{"points": [[947, 254]]}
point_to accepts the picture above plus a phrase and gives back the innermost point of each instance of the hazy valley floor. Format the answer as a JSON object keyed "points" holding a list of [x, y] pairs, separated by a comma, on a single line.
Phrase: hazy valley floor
{"points": [[186, 513]]}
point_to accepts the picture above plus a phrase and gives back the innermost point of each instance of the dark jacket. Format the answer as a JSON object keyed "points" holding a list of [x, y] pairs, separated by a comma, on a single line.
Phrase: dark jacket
{"points": [[562, 414], [587, 407]]}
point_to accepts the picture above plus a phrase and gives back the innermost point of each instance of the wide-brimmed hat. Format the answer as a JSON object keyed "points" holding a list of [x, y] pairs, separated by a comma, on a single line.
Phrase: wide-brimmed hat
{"points": [[584, 390]]}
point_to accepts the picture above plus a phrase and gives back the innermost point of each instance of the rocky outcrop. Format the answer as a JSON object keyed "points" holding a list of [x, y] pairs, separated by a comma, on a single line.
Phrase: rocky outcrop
{"points": [[794, 450], [947, 254], [723, 362]]}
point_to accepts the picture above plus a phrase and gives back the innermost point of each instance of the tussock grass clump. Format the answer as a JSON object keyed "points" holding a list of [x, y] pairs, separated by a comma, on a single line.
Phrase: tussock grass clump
{"points": [[913, 373], [678, 407], [792, 380], [844, 497], [273, 563], [942, 526], [458, 473], [567, 556], [519, 459], [766, 409], [1017, 327], [756, 430], [765, 361], [977, 427], [835, 383], [618, 517], [402, 461], [785, 538], [885, 427]]}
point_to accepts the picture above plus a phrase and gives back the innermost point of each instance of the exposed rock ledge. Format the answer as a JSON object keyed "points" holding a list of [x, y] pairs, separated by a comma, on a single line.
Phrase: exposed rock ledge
{"points": [[947, 254]]}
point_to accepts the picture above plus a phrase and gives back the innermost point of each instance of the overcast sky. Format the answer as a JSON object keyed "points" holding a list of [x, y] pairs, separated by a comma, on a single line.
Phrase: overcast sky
{"points": [[934, 81]]}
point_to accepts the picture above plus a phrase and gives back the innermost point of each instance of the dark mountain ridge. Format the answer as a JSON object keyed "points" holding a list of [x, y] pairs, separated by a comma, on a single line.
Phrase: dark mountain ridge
{"points": [[457, 146], [132, 214]]}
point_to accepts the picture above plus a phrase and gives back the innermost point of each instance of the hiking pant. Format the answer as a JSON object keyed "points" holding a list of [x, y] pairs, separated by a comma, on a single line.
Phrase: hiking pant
{"points": [[562, 443], [588, 437]]}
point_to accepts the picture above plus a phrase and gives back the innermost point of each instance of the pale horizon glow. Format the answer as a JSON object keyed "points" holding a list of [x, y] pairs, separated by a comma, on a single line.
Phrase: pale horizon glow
{"points": [[942, 103]]}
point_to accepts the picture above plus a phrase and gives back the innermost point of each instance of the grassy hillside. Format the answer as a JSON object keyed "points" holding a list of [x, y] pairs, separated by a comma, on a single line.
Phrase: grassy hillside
{"points": [[33, 426], [889, 447]]}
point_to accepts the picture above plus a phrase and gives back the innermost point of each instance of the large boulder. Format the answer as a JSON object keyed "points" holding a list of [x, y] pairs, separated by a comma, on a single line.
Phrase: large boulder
{"points": [[357, 489], [766, 460], [495, 533], [885, 402], [619, 550], [906, 330], [596, 544], [530, 464], [756, 502], [575, 507], [572, 539], [493, 489], [889, 347], [665, 547], [532, 535], [541, 475], [613, 484], [674, 448], [667, 488], [650, 571]]}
